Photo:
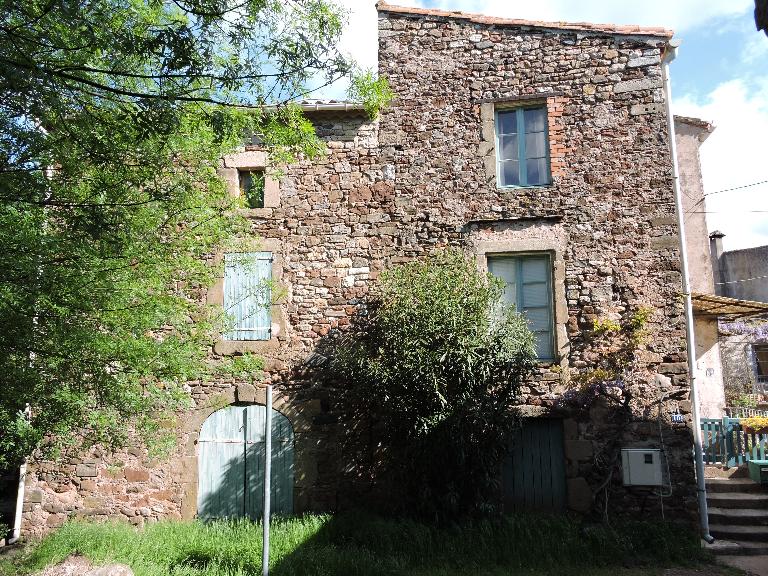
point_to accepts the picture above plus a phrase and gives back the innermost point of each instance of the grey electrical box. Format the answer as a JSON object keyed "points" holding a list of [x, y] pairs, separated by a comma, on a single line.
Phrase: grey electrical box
{"points": [[641, 466]]}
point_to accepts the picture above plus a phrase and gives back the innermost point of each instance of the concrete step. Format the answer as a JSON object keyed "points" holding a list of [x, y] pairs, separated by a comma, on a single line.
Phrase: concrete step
{"points": [[739, 516], [740, 533], [737, 500], [734, 485], [737, 548]]}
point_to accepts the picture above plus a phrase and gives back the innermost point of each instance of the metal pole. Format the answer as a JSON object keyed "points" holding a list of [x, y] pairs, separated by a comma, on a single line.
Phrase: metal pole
{"points": [[267, 478], [700, 483]]}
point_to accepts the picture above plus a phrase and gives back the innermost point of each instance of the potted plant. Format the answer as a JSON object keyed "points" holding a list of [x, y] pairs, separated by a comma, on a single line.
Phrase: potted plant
{"points": [[755, 424]]}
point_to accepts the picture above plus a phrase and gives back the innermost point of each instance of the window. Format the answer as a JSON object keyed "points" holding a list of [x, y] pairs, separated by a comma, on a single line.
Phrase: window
{"points": [[528, 287], [522, 147], [252, 187], [761, 362], [248, 295]]}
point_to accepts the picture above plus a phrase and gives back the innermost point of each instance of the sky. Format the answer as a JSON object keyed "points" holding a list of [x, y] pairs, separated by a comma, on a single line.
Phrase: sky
{"points": [[720, 75]]}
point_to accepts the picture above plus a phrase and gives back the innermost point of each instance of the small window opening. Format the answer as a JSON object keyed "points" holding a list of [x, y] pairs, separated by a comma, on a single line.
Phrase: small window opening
{"points": [[252, 187]]}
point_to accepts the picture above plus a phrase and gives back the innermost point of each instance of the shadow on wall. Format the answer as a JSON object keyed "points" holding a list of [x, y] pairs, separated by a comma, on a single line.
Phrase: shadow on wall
{"points": [[231, 464]]}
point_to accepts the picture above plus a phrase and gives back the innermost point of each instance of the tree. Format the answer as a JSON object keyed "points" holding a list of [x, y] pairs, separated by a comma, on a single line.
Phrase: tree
{"points": [[114, 115], [440, 364]]}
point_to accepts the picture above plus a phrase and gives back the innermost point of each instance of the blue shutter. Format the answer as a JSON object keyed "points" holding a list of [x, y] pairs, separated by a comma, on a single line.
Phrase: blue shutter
{"points": [[247, 295], [231, 464]]}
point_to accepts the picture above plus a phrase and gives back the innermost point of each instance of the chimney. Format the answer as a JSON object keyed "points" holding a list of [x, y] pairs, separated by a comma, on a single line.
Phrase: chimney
{"points": [[715, 254]]}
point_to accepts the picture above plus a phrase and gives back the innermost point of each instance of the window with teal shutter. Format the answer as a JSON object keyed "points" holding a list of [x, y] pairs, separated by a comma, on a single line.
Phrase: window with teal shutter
{"points": [[247, 295], [522, 147], [528, 287]]}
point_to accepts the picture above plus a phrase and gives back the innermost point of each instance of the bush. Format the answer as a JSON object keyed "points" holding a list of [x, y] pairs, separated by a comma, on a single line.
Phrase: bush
{"points": [[439, 364]]}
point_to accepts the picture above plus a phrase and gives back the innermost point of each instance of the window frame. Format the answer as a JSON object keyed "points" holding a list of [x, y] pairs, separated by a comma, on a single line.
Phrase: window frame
{"points": [[760, 378], [550, 288], [231, 335], [253, 175], [521, 146]]}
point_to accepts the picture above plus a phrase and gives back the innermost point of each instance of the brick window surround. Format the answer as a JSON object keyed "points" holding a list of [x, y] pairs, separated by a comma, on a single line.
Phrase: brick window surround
{"points": [[554, 104]]}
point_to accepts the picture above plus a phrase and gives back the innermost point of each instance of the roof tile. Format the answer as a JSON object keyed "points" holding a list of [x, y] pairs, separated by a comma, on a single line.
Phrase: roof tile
{"points": [[629, 30]]}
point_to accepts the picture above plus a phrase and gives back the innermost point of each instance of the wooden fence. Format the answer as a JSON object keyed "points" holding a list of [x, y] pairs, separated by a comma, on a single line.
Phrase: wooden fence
{"points": [[724, 442]]}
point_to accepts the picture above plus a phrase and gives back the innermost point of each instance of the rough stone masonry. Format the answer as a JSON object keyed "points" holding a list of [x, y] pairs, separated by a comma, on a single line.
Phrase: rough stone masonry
{"points": [[424, 176]]}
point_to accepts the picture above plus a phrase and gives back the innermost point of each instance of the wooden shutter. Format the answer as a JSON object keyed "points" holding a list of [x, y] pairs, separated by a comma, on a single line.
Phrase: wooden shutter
{"points": [[247, 295], [533, 474], [231, 464]]}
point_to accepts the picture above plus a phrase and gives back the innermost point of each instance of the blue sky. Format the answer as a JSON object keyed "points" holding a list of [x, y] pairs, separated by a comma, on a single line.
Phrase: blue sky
{"points": [[720, 75]]}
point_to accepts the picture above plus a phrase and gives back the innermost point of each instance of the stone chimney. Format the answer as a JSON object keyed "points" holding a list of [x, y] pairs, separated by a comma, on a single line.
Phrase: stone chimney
{"points": [[715, 254]]}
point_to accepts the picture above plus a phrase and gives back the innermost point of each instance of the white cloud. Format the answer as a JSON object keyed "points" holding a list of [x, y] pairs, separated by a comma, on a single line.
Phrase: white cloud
{"points": [[678, 15], [734, 155]]}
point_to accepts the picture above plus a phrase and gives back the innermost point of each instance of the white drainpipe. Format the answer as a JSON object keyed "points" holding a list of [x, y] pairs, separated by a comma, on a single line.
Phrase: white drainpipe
{"points": [[19, 505], [701, 484], [20, 495]]}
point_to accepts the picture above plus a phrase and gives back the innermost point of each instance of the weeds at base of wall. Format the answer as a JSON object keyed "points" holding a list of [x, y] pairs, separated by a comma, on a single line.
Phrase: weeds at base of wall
{"points": [[360, 544]]}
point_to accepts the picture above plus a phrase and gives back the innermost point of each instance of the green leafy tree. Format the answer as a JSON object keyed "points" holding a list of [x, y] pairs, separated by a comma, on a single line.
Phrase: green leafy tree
{"points": [[113, 117], [440, 364]]}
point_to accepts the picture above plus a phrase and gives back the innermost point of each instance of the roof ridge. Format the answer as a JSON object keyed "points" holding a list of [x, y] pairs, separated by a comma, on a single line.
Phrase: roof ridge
{"points": [[628, 30]]}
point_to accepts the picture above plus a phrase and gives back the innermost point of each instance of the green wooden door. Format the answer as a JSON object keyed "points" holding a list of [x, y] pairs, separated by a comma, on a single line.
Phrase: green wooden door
{"points": [[231, 464], [533, 474]]}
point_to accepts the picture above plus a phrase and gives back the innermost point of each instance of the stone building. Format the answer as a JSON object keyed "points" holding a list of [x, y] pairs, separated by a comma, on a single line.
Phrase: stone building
{"points": [[540, 148], [742, 275]]}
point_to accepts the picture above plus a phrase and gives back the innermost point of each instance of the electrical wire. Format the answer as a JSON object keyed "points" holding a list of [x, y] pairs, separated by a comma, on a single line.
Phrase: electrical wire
{"points": [[736, 188]]}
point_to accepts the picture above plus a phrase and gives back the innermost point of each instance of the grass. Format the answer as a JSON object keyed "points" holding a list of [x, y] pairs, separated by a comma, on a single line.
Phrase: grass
{"points": [[356, 544]]}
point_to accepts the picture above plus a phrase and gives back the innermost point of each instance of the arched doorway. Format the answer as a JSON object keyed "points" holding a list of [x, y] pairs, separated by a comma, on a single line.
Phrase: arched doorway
{"points": [[231, 464]]}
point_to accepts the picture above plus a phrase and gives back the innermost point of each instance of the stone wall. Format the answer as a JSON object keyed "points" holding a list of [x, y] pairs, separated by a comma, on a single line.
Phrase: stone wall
{"points": [[423, 177], [745, 273], [608, 216]]}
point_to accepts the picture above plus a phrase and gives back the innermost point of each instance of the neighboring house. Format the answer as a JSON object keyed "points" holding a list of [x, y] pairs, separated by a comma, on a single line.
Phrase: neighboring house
{"points": [[690, 134], [743, 275], [730, 292], [540, 148]]}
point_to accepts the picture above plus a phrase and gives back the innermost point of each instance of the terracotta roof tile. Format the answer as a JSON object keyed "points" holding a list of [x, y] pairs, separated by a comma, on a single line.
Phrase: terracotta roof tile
{"points": [[628, 30]]}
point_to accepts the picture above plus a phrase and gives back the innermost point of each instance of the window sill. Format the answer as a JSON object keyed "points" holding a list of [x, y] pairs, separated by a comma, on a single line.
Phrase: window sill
{"points": [[233, 347], [255, 212], [532, 186]]}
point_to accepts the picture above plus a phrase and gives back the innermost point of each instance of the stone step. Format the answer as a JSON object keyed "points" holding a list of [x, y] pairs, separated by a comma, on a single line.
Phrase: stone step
{"points": [[737, 548], [712, 471], [740, 533], [739, 516], [736, 500], [734, 485]]}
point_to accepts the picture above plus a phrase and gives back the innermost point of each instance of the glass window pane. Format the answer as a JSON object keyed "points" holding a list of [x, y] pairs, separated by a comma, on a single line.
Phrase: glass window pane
{"points": [[537, 172], [538, 319], [508, 147], [535, 145], [506, 269], [535, 294], [544, 345], [535, 269], [507, 122], [510, 173], [535, 119]]}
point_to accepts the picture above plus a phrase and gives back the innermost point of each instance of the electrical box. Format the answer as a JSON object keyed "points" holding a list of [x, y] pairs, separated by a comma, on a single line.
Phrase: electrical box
{"points": [[641, 466]]}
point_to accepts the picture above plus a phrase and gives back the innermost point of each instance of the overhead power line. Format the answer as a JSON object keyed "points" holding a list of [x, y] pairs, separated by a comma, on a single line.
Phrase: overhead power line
{"points": [[736, 188]]}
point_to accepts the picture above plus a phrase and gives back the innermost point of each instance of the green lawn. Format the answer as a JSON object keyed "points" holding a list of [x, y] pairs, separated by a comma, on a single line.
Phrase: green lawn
{"points": [[354, 544]]}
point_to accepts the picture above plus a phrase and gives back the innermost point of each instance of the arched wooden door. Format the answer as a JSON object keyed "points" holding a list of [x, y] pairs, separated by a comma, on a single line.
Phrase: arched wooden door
{"points": [[231, 464]]}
